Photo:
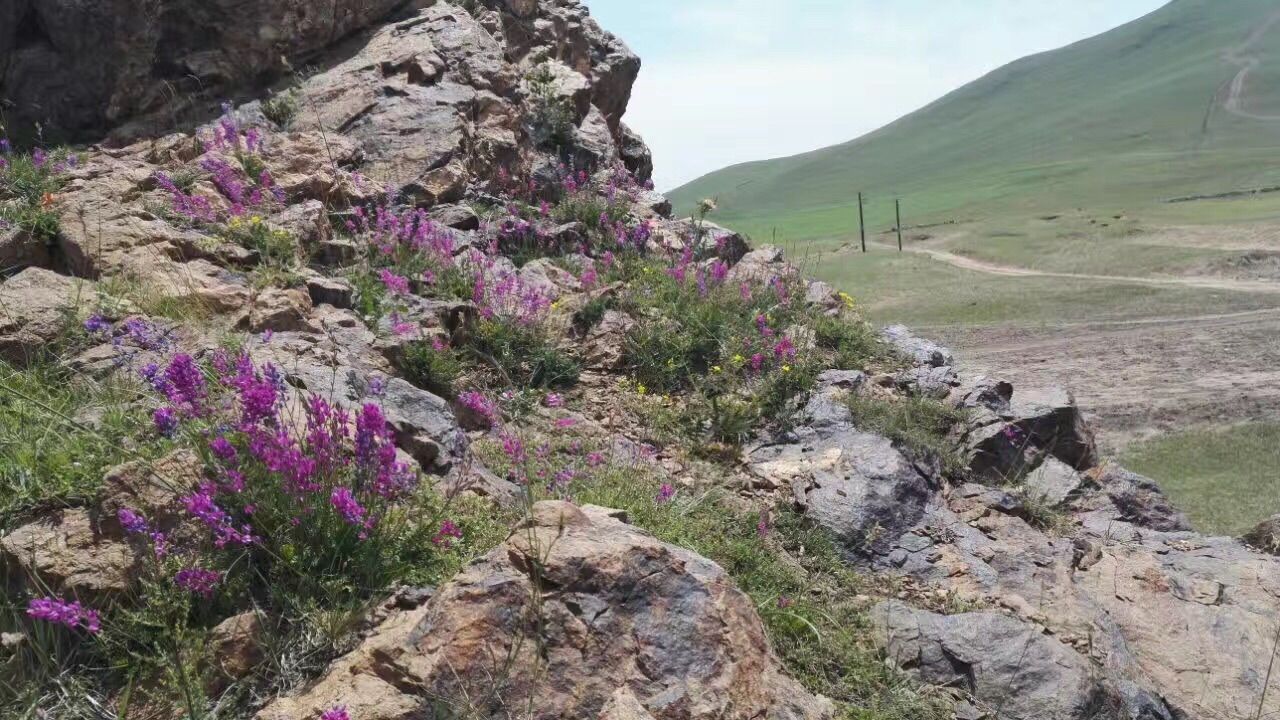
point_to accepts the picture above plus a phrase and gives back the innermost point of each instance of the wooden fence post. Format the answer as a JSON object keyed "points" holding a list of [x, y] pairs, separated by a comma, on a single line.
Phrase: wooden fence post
{"points": [[862, 224], [897, 210]]}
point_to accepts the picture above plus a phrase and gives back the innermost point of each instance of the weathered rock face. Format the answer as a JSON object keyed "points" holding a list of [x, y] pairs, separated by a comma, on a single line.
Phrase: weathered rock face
{"points": [[34, 303], [76, 66], [1109, 606], [1012, 666], [629, 628]]}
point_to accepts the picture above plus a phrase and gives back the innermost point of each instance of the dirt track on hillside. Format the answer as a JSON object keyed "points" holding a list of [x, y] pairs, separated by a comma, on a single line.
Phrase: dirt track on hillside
{"points": [[1244, 58]]}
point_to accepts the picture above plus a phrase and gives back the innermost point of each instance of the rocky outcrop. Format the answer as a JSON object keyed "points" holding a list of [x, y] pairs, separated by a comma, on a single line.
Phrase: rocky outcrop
{"points": [[1109, 606], [80, 67], [626, 626], [1013, 667], [855, 483]]}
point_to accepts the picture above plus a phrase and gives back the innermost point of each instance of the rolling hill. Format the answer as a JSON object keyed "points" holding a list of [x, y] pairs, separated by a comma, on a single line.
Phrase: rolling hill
{"points": [[1184, 101]]}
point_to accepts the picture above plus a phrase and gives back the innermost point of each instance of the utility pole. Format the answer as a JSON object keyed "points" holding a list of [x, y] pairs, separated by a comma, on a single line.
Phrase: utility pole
{"points": [[897, 210], [862, 224]]}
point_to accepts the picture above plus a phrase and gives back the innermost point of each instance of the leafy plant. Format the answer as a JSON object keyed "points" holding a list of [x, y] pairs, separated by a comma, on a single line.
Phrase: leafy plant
{"points": [[523, 355], [549, 116], [282, 108], [431, 368], [28, 186]]}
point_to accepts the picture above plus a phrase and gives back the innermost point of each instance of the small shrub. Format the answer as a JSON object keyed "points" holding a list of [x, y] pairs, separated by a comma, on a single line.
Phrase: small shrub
{"points": [[523, 355], [437, 370], [28, 186], [282, 108], [916, 424], [854, 343], [275, 247], [549, 117]]}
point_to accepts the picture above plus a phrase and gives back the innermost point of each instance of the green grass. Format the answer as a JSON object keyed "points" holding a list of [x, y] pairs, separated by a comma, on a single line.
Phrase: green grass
{"points": [[918, 425], [59, 434], [923, 292], [1114, 122], [1225, 480]]}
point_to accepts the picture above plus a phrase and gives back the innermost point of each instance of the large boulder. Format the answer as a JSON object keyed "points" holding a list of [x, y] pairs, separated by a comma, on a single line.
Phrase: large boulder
{"points": [[855, 483], [577, 615], [70, 553], [79, 67], [1012, 667], [35, 305]]}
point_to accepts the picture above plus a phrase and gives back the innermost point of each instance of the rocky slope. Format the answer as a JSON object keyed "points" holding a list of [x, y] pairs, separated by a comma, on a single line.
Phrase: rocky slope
{"points": [[453, 187]]}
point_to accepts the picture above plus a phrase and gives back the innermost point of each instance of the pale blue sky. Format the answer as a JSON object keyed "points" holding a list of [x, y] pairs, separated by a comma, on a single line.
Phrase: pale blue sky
{"points": [[726, 81]]}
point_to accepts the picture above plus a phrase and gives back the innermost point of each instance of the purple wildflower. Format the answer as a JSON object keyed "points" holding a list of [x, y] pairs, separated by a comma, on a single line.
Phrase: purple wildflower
{"points": [[132, 521], [395, 284], [184, 384], [97, 324], [198, 581], [335, 713], [484, 408], [447, 534], [166, 421], [347, 506], [60, 612], [666, 494]]}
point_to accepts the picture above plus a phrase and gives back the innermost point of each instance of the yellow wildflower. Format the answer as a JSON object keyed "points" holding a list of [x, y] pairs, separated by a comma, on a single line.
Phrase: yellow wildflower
{"points": [[235, 222], [717, 369], [255, 220], [738, 360], [641, 389], [786, 368], [848, 299]]}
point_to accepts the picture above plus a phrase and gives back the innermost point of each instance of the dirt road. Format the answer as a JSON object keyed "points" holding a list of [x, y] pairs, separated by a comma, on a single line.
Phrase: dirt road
{"points": [[1203, 283], [1140, 378]]}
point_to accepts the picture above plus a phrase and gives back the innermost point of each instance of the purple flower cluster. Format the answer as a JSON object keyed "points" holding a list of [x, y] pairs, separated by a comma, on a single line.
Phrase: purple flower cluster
{"points": [[61, 612], [482, 407], [192, 207], [198, 581], [447, 534], [335, 713]]}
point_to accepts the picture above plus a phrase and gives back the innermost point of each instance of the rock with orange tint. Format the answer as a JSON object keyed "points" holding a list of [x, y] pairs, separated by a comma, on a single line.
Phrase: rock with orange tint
{"points": [[577, 615]]}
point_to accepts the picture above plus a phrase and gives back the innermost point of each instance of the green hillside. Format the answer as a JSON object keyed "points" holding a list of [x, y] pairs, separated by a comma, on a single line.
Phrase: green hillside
{"points": [[1152, 110]]}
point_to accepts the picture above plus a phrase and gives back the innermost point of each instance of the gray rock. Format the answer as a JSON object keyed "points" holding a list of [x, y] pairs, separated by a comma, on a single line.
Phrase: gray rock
{"points": [[35, 303], [1266, 536], [604, 346], [638, 159], [612, 594], [1053, 422], [922, 352], [330, 291], [1053, 482], [459, 217], [854, 483], [1140, 501], [1008, 664], [93, 64]]}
